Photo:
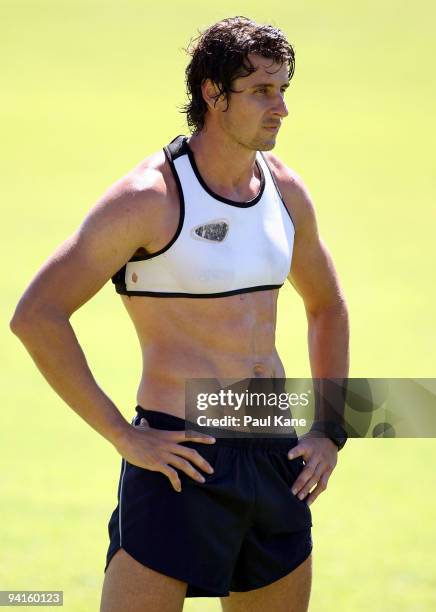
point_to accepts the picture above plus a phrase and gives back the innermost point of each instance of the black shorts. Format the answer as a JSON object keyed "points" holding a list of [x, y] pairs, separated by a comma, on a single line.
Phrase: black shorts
{"points": [[240, 530]]}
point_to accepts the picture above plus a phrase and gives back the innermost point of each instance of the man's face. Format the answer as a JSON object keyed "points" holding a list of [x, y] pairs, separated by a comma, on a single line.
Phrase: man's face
{"points": [[256, 111]]}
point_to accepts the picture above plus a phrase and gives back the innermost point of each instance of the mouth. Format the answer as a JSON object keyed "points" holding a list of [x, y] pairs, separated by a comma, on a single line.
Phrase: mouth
{"points": [[272, 128]]}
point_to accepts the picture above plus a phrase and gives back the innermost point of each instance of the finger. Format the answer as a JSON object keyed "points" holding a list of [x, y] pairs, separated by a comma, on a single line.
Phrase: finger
{"points": [[185, 436], [172, 476], [198, 436], [186, 467], [311, 482], [304, 476], [320, 487], [191, 455], [297, 451]]}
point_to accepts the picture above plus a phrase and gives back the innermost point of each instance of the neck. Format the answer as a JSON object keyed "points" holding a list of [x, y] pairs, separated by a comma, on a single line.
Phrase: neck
{"points": [[226, 166]]}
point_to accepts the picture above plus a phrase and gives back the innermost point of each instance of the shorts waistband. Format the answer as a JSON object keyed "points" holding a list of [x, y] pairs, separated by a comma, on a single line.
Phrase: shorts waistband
{"points": [[163, 420]]}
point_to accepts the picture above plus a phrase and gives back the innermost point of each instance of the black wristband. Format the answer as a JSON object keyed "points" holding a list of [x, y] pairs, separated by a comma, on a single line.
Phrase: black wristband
{"points": [[335, 432]]}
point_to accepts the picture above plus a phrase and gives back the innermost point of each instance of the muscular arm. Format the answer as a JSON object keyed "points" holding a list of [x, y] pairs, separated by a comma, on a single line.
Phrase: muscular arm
{"points": [[314, 277], [109, 235]]}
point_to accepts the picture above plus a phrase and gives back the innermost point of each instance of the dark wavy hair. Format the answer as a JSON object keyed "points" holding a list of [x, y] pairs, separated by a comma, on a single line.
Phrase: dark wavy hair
{"points": [[220, 54]]}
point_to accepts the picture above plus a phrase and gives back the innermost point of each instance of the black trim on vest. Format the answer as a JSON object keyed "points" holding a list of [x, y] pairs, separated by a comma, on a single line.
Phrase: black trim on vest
{"points": [[278, 190], [177, 147], [119, 280], [172, 151], [214, 195], [200, 295]]}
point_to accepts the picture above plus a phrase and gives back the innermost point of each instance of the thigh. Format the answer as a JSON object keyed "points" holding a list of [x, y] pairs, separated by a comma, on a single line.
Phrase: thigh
{"points": [[129, 586], [288, 594]]}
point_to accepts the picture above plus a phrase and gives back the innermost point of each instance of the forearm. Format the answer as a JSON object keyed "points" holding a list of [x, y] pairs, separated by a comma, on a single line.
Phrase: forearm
{"points": [[328, 340], [53, 345]]}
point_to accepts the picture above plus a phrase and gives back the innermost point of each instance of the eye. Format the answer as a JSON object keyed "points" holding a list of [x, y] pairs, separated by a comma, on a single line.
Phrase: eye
{"points": [[261, 90]]}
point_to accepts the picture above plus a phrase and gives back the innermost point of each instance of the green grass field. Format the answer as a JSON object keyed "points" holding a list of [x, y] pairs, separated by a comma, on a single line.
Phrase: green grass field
{"points": [[89, 88]]}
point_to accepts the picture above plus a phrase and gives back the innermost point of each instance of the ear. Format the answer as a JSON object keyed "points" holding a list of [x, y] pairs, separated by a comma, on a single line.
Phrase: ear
{"points": [[210, 91]]}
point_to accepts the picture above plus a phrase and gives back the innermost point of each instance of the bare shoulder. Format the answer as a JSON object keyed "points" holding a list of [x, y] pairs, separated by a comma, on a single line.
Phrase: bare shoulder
{"points": [[153, 173], [144, 204], [146, 190], [295, 193], [138, 211]]}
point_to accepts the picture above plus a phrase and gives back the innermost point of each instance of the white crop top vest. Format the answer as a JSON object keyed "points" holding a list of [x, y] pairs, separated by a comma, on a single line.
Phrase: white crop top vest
{"points": [[221, 247]]}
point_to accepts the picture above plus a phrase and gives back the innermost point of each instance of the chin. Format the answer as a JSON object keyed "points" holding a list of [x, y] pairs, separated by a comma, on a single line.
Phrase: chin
{"points": [[266, 145], [260, 143]]}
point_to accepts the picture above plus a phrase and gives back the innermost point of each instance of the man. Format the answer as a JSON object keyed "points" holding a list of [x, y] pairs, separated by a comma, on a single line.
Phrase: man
{"points": [[198, 239]]}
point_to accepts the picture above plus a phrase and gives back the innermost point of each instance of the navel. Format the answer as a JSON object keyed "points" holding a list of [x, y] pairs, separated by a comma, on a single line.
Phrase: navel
{"points": [[259, 370]]}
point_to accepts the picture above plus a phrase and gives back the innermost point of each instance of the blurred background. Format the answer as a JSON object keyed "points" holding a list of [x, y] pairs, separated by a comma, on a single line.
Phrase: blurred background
{"points": [[89, 88]]}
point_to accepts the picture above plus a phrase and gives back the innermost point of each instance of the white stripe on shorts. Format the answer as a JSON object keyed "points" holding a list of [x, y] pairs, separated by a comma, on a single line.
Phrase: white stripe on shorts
{"points": [[121, 493]]}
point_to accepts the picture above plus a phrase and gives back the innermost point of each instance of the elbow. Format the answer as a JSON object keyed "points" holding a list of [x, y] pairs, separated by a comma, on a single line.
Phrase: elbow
{"points": [[27, 316], [337, 309], [341, 308], [21, 322], [30, 316]]}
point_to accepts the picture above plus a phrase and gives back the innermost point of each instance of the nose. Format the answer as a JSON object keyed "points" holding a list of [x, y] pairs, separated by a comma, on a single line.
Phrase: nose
{"points": [[280, 107]]}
